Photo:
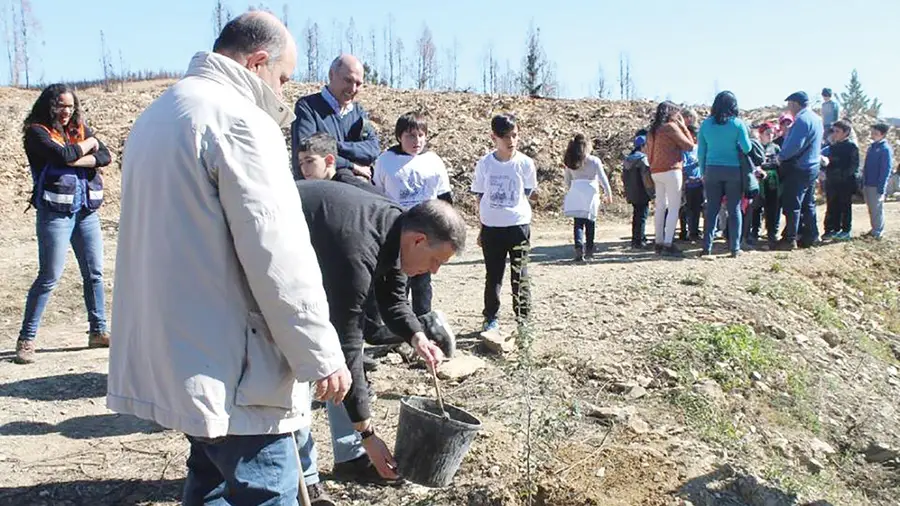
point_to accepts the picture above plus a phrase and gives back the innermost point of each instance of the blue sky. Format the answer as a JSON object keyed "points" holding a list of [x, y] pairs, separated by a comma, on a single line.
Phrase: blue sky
{"points": [[683, 50]]}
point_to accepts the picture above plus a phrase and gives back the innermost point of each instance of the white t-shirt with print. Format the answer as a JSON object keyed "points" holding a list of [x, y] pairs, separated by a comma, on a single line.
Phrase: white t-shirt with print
{"points": [[503, 186], [411, 180]]}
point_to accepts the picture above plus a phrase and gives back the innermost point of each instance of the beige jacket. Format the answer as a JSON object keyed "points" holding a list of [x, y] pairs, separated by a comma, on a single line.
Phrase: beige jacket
{"points": [[219, 315]]}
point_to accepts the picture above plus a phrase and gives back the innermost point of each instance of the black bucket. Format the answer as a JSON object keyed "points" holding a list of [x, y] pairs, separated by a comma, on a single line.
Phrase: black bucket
{"points": [[430, 447]]}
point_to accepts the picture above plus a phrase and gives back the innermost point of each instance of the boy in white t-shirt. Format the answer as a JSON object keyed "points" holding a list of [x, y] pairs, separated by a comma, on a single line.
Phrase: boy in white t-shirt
{"points": [[408, 174], [505, 180]]}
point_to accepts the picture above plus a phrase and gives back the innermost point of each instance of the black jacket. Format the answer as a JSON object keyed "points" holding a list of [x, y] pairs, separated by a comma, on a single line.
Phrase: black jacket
{"points": [[356, 236], [843, 166]]}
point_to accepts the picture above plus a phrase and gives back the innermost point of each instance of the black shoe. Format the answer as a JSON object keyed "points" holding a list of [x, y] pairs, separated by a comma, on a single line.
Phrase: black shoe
{"points": [[369, 363], [736, 253], [438, 330], [360, 470], [807, 245], [658, 248], [672, 251], [318, 496], [589, 253], [785, 245], [706, 253]]}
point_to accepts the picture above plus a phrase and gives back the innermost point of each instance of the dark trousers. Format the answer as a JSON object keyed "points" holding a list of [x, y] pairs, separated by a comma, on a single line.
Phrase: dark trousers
{"points": [[799, 200], [420, 286], [690, 215], [772, 205], [839, 202], [498, 243], [584, 233], [752, 220], [639, 223]]}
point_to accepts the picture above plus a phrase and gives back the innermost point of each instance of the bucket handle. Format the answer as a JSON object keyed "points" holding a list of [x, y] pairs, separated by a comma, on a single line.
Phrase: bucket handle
{"points": [[437, 389]]}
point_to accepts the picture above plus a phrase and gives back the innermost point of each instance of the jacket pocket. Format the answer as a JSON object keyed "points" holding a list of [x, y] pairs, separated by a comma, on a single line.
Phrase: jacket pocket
{"points": [[57, 191], [266, 378]]}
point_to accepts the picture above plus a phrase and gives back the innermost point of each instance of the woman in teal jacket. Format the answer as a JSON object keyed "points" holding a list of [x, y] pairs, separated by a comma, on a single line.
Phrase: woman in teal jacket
{"points": [[722, 139]]}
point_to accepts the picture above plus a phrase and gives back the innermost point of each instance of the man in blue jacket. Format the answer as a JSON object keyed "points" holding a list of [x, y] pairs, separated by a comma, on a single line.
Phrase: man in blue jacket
{"points": [[879, 160], [333, 111], [799, 160]]}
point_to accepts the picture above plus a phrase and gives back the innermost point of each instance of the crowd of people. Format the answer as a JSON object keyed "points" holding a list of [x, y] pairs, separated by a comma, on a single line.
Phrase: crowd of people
{"points": [[239, 281], [738, 175]]}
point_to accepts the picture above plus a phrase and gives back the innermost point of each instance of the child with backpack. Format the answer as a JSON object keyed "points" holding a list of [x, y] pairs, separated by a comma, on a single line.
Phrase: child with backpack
{"points": [[583, 173], [639, 190]]}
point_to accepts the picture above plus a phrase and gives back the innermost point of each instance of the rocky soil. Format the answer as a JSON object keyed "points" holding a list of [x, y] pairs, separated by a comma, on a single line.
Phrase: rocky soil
{"points": [[767, 380]]}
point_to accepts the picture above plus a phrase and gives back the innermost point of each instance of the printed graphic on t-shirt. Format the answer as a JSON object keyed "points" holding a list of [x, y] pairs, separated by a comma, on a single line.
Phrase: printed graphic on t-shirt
{"points": [[413, 192], [504, 191]]}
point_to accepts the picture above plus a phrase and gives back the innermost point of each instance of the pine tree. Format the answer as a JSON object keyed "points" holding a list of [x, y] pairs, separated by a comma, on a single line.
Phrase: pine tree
{"points": [[854, 100], [538, 77]]}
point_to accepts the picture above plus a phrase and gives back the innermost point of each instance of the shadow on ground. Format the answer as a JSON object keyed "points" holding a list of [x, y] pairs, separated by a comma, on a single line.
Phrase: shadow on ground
{"points": [[64, 387], [605, 253], [728, 487], [83, 427], [94, 492]]}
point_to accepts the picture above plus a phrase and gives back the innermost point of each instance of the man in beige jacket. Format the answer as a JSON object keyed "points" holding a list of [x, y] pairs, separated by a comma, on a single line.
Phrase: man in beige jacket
{"points": [[220, 314]]}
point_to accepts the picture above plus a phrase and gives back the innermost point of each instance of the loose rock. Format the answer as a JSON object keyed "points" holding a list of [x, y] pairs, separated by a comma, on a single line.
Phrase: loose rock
{"points": [[879, 453], [460, 367], [496, 342], [638, 426]]}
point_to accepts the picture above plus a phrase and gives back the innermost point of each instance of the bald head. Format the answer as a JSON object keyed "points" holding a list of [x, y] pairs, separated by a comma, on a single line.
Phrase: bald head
{"points": [[251, 32], [345, 78]]}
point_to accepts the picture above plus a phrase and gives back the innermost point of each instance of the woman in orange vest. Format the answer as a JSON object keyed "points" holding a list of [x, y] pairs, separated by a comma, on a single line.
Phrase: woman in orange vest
{"points": [[66, 161]]}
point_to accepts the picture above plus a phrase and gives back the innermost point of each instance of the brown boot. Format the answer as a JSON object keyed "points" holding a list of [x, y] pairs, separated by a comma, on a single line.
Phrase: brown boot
{"points": [[98, 339], [25, 351]]}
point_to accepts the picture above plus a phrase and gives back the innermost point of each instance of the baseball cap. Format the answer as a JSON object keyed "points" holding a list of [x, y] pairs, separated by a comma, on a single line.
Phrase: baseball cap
{"points": [[798, 96], [640, 141], [765, 127]]}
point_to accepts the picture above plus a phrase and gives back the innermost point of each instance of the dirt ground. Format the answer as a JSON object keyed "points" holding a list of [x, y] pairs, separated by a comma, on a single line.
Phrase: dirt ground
{"points": [[595, 331]]}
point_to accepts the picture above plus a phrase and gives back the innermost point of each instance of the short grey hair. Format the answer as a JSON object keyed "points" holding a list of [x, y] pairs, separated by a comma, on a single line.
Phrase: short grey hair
{"points": [[250, 32], [439, 222]]}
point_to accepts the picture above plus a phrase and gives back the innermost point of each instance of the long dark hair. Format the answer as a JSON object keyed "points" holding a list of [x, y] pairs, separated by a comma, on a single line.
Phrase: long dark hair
{"points": [[665, 111], [724, 107], [576, 152], [42, 110]]}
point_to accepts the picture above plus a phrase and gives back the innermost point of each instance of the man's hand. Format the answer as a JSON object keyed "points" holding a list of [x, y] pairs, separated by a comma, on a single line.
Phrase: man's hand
{"points": [[360, 170], [430, 352], [335, 386], [381, 457]]}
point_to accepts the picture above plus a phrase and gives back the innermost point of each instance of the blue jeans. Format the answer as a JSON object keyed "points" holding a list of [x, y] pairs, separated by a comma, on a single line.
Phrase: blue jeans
{"points": [[55, 231], [723, 182], [583, 231], [345, 443], [247, 470], [875, 203], [798, 197]]}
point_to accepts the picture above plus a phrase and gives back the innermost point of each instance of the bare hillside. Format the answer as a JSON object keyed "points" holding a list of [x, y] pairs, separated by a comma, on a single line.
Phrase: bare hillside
{"points": [[458, 122]]}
